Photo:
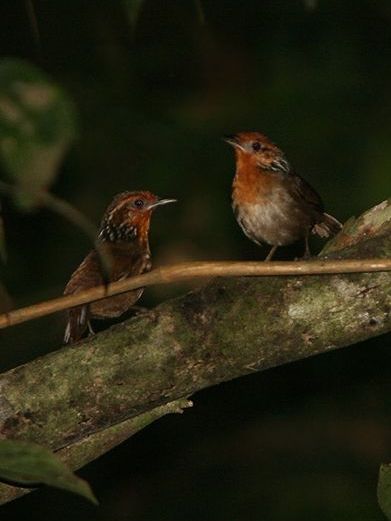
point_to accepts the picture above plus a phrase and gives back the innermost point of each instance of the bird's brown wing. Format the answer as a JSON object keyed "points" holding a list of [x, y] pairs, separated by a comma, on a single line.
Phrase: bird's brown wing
{"points": [[307, 195], [133, 261], [127, 260], [324, 225], [86, 276]]}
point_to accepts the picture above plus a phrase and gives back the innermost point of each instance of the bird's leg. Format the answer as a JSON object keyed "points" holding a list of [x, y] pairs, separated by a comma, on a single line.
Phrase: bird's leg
{"points": [[307, 251], [90, 330], [271, 253]]}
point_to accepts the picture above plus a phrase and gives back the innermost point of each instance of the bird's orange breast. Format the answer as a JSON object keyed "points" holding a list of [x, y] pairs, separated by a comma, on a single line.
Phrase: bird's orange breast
{"points": [[251, 184]]}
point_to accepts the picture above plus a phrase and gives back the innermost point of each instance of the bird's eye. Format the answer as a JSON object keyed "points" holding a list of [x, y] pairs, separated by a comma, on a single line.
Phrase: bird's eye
{"points": [[138, 203], [256, 146]]}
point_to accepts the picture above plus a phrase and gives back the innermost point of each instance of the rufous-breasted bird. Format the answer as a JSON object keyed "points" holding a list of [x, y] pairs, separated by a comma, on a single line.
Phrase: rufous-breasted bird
{"points": [[272, 203], [123, 236]]}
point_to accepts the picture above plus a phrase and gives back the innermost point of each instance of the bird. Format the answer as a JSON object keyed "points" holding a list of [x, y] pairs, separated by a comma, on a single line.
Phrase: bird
{"points": [[123, 238], [271, 202]]}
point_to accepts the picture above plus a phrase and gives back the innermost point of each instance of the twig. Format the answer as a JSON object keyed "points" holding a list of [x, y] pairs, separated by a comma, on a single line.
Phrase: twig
{"points": [[195, 270], [34, 27], [71, 214], [200, 11], [76, 217]]}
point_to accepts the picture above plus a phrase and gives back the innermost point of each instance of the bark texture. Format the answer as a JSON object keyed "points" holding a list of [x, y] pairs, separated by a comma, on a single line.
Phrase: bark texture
{"points": [[223, 330]]}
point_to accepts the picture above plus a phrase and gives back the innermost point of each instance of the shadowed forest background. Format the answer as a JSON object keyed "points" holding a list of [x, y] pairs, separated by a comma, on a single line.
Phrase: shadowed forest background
{"points": [[154, 97]]}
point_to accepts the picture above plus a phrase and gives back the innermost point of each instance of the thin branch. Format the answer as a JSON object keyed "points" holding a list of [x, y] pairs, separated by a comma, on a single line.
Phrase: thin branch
{"points": [[34, 27], [76, 217], [71, 214], [195, 270], [200, 11]]}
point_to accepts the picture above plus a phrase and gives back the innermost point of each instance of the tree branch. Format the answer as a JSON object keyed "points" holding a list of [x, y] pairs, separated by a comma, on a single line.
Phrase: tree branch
{"points": [[228, 328], [78, 454], [191, 271]]}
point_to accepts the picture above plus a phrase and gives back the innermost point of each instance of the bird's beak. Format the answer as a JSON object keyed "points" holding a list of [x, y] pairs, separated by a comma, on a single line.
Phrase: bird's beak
{"points": [[160, 202], [233, 141]]}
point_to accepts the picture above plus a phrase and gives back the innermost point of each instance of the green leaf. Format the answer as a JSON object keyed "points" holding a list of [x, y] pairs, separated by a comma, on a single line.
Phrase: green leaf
{"points": [[29, 464], [37, 125], [384, 489], [132, 8]]}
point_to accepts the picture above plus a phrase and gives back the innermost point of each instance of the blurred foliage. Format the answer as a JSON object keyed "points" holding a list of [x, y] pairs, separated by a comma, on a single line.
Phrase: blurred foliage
{"points": [[154, 98], [37, 125], [384, 489], [311, 4], [132, 8], [29, 465]]}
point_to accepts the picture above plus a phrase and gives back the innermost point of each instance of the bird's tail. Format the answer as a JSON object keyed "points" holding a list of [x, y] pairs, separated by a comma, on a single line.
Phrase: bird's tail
{"points": [[77, 324], [327, 227]]}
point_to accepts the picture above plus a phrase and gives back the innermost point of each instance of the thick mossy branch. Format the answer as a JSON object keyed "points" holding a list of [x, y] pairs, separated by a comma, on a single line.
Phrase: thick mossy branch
{"points": [[226, 329]]}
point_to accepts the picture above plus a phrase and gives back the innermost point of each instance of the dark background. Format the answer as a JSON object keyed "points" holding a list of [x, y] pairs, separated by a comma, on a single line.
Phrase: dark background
{"points": [[298, 442]]}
